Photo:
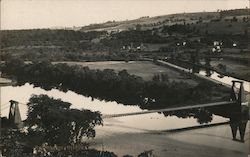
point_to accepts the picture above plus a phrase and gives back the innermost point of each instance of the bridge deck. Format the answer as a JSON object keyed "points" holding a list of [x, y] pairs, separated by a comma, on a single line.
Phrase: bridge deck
{"points": [[170, 109]]}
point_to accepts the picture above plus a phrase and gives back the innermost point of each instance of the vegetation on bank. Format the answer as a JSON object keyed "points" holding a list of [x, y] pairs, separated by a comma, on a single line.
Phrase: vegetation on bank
{"points": [[53, 129], [108, 85], [51, 122], [54, 122]]}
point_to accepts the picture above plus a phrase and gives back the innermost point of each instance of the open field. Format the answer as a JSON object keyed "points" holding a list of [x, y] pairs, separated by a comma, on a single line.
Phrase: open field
{"points": [[144, 69]]}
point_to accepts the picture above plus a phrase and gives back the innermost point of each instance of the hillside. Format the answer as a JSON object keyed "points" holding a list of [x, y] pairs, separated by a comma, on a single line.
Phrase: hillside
{"points": [[151, 35], [147, 22]]}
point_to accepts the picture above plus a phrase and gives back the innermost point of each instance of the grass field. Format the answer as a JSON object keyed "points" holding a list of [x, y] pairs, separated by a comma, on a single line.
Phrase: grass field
{"points": [[144, 69]]}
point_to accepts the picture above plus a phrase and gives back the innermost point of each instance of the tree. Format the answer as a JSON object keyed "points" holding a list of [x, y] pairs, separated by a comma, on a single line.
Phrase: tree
{"points": [[156, 78], [55, 123], [127, 155], [13, 65], [207, 61], [234, 19], [148, 153], [246, 32], [138, 27]]}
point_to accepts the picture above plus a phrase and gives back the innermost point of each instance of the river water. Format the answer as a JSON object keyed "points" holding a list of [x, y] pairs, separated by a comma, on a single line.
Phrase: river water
{"points": [[226, 79], [145, 122], [154, 121]]}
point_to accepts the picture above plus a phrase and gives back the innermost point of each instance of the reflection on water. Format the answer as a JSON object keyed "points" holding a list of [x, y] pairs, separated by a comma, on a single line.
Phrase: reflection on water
{"points": [[154, 121], [137, 123], [226, 79], [23, 93]]}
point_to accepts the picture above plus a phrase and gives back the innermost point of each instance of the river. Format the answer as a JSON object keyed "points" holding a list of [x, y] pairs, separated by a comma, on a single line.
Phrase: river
{"points": [[155, 121], [226, 79]]}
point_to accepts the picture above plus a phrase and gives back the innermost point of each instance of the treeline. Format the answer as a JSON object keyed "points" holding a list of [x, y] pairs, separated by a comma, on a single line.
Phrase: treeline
{"points": [[234, 12], [178, 28], [63, 55], [133, 36], [100, 26], [38, 37], [108, 85], [57, 45]]}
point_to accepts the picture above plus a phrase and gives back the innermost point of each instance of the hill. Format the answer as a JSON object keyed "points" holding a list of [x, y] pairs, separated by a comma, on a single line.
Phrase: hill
{"points": [[147, 22]]}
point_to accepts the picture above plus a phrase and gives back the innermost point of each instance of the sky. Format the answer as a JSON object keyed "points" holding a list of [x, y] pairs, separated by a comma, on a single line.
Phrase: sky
{"points": [[28, 14]]}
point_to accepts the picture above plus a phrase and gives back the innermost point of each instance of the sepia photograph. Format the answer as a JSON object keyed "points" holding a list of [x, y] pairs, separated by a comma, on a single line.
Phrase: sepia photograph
{"points": [[124, 78]]}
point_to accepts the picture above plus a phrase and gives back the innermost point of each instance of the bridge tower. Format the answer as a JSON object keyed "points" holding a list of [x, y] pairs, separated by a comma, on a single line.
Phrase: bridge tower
{"points": [[238, 95], [14, 115], [240, 111]]}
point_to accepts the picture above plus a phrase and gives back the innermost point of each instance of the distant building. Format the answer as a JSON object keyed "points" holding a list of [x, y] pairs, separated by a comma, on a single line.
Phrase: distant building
{"points": [[216, 43]]}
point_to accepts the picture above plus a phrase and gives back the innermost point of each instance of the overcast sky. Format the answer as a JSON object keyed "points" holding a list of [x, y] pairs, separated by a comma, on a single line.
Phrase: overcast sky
{"points": [[26, 14]]}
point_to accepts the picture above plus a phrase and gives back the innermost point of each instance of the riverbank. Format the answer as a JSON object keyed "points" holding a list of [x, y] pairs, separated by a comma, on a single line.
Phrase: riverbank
{"points": [[145, 69], [233, 68], [201, 75]]}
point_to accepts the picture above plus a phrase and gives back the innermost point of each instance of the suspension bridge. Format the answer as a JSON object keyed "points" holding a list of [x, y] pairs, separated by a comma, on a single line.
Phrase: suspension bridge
{"points": [[224, 103], [237, 99]]}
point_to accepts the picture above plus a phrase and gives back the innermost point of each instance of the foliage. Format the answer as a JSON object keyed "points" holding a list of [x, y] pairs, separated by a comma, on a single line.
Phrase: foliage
{"points": [[127, 155], [234, 12], [108, 85], [77, 153], [56, 123], [10, 141], [132, 36], [177, 28], [38, 37], [148, 153], [161, 78]]}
